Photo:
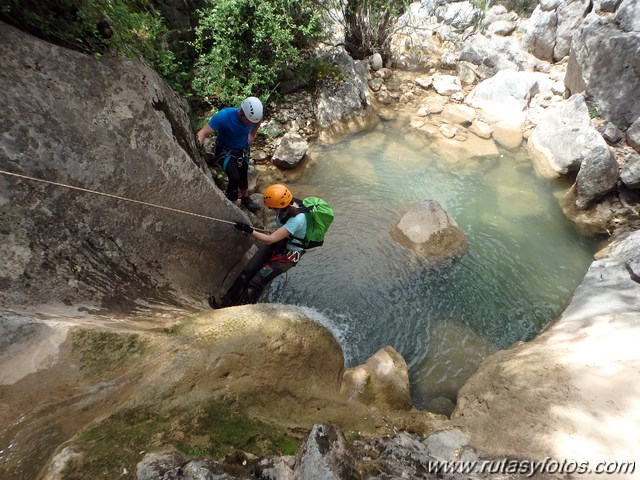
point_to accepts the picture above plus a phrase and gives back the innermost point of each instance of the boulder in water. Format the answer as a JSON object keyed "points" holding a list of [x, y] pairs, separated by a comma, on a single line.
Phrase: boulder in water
{"points": [[427, 229]]}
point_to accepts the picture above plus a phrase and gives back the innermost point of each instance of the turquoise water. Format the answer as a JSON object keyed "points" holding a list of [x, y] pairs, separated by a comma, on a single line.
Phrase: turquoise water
{"points": [[524, 261]]}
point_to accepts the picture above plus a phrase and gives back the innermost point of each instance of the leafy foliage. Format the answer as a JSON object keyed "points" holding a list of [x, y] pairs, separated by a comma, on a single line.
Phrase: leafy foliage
{"points": [[129, 29], [234, 48], [246, 46], [367, 23], [593, 111]]}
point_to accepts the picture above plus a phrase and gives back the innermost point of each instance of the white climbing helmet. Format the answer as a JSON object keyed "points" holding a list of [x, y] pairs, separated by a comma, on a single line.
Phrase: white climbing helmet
{"points": [[252, 108]]}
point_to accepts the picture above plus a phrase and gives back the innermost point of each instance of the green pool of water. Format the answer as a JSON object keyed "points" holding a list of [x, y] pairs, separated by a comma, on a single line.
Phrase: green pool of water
{"points": [[524, 261]]}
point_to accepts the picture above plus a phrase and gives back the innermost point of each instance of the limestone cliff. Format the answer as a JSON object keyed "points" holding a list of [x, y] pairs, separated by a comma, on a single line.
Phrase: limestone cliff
{"points": [[112, 126]]}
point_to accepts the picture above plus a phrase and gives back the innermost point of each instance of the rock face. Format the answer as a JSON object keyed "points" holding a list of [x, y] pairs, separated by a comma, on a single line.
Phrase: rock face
{"points": [[232, 378], [258, 359], [427, 229], [116, 127], [505, 96], [382, 380], [415, 43], [598, 175], [344, 106], [324, 455], [604, 63], [245, 352], [565, 387], [548, 32], [630, 174], [601, 42], [563, 127], [633, 135]]}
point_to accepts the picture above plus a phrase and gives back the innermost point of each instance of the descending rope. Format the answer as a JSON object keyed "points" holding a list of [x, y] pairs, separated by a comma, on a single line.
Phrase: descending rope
{"points": [[117, 197]]}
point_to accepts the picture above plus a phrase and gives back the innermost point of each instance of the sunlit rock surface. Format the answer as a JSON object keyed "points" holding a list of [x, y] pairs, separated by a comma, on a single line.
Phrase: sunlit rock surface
{"points": [[383, 380], [573, 391], [428, 229], [205, 380]]}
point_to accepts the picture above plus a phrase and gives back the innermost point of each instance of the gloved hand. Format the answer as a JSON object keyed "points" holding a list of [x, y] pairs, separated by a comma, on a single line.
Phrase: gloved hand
{"points": [[243, 227]]}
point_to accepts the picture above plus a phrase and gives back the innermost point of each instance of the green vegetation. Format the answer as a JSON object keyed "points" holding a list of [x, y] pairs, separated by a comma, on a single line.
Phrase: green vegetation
{"points": [[100, 353], [175, 328], [368, 24], [227, 429], [214, 430], [122, 28], [246, 47], [220, 50], [521, 7], [116, 442]]}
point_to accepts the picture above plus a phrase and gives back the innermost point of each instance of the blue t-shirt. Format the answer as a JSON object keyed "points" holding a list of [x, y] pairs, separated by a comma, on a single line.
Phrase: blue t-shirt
{"points": [[231, 131], [296, 226]]}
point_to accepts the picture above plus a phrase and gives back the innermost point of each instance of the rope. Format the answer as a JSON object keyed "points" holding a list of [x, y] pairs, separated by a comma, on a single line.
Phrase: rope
{"points": [[117, 197]]}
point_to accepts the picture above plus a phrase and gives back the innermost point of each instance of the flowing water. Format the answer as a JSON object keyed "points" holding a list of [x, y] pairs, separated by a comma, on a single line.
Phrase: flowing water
{"points": [[524, 260]]}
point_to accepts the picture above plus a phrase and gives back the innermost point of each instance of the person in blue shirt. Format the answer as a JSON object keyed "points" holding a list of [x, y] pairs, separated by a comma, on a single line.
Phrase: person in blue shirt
{"points": [[236, 129], [281, 250]]}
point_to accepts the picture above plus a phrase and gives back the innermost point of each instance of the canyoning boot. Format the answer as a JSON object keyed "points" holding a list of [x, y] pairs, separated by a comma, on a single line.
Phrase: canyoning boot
{"points": [[250, 205], [215, 304]]}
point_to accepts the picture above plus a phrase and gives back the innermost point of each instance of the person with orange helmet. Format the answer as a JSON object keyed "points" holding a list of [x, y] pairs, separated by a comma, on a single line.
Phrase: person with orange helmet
{"points": [[281, 250], [236, 128]]}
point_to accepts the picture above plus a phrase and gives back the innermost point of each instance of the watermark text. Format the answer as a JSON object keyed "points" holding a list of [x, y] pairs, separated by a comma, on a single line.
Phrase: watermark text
{"points": [[533, 467]]}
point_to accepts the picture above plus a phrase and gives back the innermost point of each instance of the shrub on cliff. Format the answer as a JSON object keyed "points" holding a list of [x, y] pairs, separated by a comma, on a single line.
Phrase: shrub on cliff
{"points": [[122, 28], [246, 47]]}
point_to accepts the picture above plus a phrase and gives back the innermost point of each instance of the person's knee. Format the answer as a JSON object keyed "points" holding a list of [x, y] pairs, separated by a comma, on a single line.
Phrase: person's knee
{"points": [[243, 277], [254, 290], [232, 194], [252, 295], [233, 174]]}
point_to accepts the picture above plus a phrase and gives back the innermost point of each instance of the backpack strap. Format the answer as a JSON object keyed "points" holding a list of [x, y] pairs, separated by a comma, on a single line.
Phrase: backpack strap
{"points": [[297, 241]]}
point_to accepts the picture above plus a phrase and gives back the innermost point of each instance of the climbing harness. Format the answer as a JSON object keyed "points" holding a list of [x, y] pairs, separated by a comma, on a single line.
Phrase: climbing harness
{"points": [[117, 197], [241, 156], [289, 256], [240, 159]]}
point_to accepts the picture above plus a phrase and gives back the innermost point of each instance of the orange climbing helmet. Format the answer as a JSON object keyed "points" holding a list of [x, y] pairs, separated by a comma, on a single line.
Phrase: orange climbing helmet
{"points": [[277, 196]]}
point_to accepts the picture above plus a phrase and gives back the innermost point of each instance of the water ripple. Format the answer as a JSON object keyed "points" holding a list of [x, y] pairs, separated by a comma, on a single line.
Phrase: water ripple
{"points": [[523, 263]]}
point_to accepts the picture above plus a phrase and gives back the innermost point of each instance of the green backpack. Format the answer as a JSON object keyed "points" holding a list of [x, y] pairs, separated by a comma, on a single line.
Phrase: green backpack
{"points": [[319, 217]]}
